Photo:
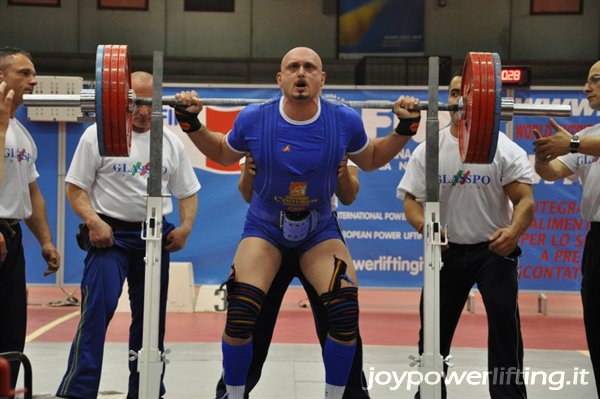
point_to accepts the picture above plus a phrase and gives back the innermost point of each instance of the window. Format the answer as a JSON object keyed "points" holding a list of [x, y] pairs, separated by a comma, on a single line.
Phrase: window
{"points": [[556, 6], [45, 3], [209, 5], [123, 4]]}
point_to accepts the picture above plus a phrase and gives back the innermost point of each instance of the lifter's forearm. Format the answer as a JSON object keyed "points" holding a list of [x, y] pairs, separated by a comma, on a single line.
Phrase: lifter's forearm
{"points": [[214, 145]]}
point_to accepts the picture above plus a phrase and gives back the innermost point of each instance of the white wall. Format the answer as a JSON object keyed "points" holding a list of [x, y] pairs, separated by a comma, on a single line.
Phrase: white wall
{"points": [[467, 25], [556, 37], [41, 29], [283, 24], [214, 34]]}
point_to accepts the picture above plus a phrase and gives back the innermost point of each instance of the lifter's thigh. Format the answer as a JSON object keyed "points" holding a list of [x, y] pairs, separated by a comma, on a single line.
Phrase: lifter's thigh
{"points": [[318, 263], [256, 262]]}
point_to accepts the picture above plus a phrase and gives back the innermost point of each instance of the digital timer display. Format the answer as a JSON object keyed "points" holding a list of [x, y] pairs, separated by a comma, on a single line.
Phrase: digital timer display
{"points": [[515, 75], [511, 75]]}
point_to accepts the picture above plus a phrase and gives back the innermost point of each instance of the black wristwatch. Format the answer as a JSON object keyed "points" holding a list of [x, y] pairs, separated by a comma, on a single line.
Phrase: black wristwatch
{"points": [[574, 144]]}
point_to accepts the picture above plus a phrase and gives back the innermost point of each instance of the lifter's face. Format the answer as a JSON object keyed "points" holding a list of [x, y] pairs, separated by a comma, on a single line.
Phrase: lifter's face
{"points": [[19, 74], [142, 116], [592, 86], [454, 96], [301, 76]]}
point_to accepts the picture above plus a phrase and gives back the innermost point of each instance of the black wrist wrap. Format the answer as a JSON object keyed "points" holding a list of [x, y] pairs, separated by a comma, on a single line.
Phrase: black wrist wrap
{"points": [[188, 121], [408, 127]]}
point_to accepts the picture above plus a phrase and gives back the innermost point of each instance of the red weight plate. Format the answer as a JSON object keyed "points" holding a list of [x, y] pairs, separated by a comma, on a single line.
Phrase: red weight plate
{"points": [[127, 87], [482, 111], [114, 100], [467, 94], [124, 86], [497, 106], [98, 100], [478, 110], [475, 125], [488, 124], [114, 93], [471, 92], [110, 110], [488, 128], [121, 103], [106, 102], [480, 86], [463, 133]]}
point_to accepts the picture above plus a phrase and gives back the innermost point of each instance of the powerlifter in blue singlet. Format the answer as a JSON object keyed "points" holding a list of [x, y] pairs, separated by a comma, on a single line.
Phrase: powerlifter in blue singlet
{"points": [[297, 142]]}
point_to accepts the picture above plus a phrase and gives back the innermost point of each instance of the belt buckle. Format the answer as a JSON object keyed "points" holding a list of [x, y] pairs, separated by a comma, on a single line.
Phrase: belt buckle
{"points": [[8, 223], [297, 230]]}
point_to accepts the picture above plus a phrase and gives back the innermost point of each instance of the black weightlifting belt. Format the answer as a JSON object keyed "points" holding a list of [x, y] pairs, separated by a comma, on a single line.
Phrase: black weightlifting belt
{"points": [[121, 225], [295, 216], [8, 225]]}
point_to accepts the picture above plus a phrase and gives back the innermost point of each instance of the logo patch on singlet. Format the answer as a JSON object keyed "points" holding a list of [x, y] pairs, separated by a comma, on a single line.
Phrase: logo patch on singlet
{"points": [[287, 148], [297, 189], [296, 200]]}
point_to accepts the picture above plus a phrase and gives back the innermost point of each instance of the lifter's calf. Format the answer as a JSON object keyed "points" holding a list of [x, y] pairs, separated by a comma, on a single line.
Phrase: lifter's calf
{"points": [[244, 302], [341, 304]]}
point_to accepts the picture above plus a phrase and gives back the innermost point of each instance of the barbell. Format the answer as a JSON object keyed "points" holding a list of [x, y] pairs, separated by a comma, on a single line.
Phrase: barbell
{"points": [[481, 106]]}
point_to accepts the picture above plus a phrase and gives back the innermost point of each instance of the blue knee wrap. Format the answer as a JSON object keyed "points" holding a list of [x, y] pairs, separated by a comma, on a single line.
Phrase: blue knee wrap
{"points": [[244, 302], [341, 304]]}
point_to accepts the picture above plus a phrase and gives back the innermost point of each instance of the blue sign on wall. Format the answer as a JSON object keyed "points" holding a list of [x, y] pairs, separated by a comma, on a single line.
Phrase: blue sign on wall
{"points": [[386, 250], [380, 27]]}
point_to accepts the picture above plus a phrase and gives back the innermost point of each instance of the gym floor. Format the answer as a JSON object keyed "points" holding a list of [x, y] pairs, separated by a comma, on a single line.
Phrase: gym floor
{"points": [[555, 348]]}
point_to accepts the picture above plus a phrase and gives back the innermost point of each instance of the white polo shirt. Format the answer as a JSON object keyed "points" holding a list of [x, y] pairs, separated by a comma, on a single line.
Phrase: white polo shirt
{"points": [[472, 199], [117, 185], [587, 168], [20, 154]]}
